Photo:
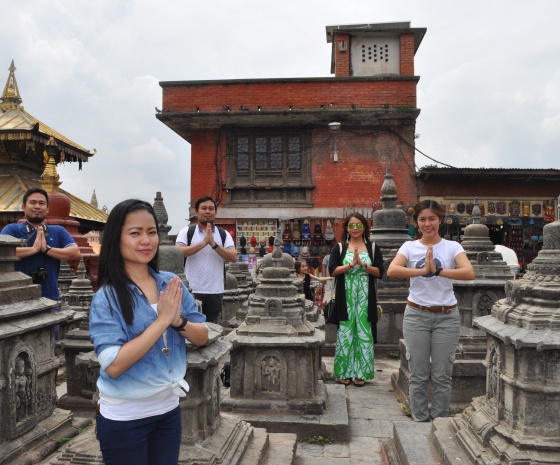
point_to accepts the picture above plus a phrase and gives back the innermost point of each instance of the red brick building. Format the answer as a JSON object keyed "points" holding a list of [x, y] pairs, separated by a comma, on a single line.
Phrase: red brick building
{"points": [[264, 148]]}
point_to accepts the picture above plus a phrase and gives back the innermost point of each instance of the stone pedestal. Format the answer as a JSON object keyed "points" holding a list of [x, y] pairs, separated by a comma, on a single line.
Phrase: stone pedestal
{"points": [[76, 341], [208, 437], [28, 364], [516, 421], [389, 231], [276, 357]]}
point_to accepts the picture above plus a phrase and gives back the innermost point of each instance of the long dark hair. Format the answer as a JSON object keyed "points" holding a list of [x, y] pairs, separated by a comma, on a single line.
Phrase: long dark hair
{"points": [[111, 264], [362, 218]]}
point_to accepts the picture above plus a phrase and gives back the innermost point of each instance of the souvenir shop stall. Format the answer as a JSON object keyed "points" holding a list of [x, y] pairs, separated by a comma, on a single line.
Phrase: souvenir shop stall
{"points": [[517, 224], [308, 239]]}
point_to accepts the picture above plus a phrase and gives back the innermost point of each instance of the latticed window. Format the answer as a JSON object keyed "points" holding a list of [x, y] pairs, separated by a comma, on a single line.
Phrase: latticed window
{"points": [[264, 161], [268, 155]]}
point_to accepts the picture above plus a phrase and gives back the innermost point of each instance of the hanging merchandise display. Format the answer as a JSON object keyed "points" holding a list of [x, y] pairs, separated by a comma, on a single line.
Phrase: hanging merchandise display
{"points": [[287, 234], [296, 233], [548, 211], [329, 231], [317, 231], [306, 230], [262, 250], [324, 249], [514, 210], [295, 251], [255, 233]]}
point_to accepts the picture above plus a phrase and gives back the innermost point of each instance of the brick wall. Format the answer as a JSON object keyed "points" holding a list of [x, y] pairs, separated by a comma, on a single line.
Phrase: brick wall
{"points": [[407, 55], [341, 58], [356, 180], [280, 94]]}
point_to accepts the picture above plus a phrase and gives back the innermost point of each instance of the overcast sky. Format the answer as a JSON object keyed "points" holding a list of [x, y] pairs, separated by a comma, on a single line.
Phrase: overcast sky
{"points": [[489, 89]]}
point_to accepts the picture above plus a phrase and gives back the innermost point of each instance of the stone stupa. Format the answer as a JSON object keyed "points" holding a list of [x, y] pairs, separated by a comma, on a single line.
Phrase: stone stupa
{"points": [[517, 420]]}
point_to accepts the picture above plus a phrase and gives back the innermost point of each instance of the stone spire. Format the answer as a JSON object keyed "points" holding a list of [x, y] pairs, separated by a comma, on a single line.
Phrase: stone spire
{"points": [[93, 200], [389, 224], [161, 215], [531, 303], [170, 257], [487, 263], [10, 97]]}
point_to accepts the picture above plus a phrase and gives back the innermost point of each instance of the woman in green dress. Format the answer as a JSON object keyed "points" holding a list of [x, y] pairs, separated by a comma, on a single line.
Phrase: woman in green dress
{"points": [[356, 263]]}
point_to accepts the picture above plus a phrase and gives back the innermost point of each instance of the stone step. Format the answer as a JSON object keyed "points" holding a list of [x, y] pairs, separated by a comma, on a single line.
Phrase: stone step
{"points": [[282, 449], [389, 453], [445, 443], [413, 443], [256, 450]]}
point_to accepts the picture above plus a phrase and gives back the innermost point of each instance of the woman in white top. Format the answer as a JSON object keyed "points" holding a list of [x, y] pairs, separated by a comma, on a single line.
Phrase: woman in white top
{"points": [[432, 324]]}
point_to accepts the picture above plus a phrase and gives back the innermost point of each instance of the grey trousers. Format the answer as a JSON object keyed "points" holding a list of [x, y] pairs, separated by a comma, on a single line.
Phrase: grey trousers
{"points": [[431, 340]]}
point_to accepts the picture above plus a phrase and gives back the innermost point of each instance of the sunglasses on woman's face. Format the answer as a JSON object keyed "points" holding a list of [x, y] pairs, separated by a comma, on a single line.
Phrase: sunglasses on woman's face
{"points": [[355, 226]]}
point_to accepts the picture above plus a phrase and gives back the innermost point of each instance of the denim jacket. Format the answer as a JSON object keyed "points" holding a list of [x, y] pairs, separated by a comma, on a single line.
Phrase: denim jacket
{"points": [[154, 372]]}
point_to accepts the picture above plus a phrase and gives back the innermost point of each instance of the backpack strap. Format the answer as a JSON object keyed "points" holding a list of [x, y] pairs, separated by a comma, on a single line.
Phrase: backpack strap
{"points": [[190, 234]]}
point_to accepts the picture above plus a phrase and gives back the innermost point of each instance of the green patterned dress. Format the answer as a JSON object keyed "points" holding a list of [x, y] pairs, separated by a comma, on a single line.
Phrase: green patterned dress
{"points": [[354, 341]]}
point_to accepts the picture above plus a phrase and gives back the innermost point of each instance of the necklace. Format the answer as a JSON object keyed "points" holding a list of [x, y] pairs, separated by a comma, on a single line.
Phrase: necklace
{"points": [[165, 349]]}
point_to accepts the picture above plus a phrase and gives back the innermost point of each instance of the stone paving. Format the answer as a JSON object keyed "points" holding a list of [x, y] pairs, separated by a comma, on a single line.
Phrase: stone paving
{"points": [[372, 410]]}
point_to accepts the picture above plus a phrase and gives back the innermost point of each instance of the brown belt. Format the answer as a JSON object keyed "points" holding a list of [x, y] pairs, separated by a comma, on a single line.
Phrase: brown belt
{"points": [[435, 309]]}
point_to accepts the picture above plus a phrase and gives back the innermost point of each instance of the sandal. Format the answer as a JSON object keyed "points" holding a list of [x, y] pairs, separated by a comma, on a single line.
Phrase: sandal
{"points": [[359, 382], [346, 381]]}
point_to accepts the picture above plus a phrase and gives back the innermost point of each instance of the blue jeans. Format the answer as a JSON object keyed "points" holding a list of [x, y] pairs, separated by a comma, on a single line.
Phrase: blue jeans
{"points": [[147, 441], [431, 340]]}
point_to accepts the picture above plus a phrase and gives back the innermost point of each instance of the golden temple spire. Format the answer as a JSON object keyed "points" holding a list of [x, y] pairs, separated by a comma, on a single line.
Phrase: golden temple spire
{"points": [[50, 178], [10, 97]]}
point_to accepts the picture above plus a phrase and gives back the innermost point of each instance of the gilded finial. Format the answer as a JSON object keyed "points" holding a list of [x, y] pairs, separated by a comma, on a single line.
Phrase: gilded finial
{"points": [[50, 178], [10, 97]]}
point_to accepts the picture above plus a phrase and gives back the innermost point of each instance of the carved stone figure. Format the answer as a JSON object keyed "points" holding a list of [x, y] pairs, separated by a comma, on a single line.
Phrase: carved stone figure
{"points": [[270, 374], [22, 389]]}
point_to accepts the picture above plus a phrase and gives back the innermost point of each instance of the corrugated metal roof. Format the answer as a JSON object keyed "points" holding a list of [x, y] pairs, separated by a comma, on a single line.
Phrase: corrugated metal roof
{"points": [[12, 188], [16, 123]]}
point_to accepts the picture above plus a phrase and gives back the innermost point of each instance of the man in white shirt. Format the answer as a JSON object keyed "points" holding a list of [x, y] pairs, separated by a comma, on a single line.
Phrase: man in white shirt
{"points": [[206, 247]]}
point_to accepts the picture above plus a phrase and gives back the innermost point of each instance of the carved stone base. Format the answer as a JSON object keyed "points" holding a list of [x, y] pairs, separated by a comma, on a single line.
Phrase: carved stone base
{"points": [[228, 445], [46, 431], [333, 422]]}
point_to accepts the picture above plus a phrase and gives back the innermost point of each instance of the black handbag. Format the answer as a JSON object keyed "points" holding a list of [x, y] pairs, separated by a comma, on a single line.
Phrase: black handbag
{"points": [[330, 311]]}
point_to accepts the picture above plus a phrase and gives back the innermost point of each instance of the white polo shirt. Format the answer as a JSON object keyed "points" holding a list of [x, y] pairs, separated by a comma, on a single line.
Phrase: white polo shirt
{"points": [[205, 269]]}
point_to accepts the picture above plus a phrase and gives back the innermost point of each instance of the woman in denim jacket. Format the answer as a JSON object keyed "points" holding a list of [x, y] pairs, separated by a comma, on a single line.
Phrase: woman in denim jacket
{"points": [[139, 319]]}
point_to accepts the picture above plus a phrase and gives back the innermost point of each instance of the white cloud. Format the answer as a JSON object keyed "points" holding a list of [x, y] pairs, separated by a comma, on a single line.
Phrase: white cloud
{"points": [[488, 88]]}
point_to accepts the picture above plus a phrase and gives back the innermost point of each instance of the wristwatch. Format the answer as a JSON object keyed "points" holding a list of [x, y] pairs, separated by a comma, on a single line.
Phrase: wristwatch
{"points": [[215, 246], [438, 271], [47, 249], [181, 327]]}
